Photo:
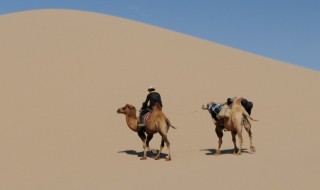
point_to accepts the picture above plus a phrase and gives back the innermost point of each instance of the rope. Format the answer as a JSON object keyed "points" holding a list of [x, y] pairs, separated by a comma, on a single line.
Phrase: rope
{"points": [[184, 113]]}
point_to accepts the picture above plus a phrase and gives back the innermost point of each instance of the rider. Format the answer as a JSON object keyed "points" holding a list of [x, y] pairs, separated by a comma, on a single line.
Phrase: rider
{"points": [[147, 106]]}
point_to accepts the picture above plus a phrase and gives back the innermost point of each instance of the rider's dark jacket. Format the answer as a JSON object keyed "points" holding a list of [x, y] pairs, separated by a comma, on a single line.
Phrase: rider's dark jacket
{"points": [[152, 98]]}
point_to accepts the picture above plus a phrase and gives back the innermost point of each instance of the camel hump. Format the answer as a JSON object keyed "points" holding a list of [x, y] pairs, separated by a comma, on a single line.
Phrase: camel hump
{"points": [[237, 101], [157, 106]]}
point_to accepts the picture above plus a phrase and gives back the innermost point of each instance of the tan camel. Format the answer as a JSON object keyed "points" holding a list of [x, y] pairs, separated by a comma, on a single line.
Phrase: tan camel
{"points": [[238, 118], [132, 121], [157, 122]]}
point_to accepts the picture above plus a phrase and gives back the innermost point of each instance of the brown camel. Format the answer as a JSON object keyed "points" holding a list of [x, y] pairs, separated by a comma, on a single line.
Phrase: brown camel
{"points": [[238, 118], [157, 122]]}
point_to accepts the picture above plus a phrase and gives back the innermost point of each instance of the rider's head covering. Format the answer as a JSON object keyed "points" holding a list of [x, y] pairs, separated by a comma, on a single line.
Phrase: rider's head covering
{"points": [[151, 88]]}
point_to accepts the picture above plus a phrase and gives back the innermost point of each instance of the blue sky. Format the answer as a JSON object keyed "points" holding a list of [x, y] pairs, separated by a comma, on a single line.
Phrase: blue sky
{"points": [[285, 30]]}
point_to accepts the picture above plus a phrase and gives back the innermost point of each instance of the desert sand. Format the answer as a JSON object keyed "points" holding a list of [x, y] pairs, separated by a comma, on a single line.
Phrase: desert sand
{"points": [[64, 74]]}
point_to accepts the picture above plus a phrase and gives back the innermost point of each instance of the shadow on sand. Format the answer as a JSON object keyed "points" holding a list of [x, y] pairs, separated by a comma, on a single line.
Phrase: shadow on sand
{"points": [[227, 151], [140, 154]]}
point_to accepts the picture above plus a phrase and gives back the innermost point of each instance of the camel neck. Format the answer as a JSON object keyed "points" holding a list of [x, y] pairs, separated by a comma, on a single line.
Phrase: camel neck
{"points": [[132, 122]]}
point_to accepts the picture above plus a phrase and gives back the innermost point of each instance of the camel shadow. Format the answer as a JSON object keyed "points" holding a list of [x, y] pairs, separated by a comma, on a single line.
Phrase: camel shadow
{"points": [[140, 154], [226, 151]]}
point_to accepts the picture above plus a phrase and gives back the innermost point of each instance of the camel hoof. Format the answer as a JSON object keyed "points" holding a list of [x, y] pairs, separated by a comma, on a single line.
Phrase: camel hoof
{"points": [[253, 149], [157, 158], [143, 158], [168, 159], [217, 154]]}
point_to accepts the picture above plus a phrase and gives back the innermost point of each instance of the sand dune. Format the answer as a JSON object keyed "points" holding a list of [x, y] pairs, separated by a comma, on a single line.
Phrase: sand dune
{"points": [[64, 74]]}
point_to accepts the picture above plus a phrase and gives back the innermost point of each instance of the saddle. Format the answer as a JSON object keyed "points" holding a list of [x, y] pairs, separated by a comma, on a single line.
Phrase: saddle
{"points": [[219, 112], [145, 117], [214, 110]]}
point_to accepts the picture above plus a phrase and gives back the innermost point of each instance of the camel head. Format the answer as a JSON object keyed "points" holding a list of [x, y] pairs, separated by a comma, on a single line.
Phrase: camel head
{"points": [[206, 106], [128, 109]]}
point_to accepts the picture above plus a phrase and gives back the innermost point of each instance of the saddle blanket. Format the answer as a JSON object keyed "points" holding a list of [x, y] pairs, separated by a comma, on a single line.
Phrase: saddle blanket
{"points": [[145, 117]]}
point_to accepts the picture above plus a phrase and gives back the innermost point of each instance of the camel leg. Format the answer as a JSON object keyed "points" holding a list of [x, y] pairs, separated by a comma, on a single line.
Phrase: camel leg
{"points": [[248, 129], [237, 121], [149, 137], [240, 140], [220, 135], [234, 133], [144, 151], [168, 147], [144, 141], [143, 138], [161, 147]]}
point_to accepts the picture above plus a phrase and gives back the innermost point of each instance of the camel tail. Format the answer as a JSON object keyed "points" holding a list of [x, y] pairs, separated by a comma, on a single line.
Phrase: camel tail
{"points": [[247, 116], [169, 123], [253, 119]]}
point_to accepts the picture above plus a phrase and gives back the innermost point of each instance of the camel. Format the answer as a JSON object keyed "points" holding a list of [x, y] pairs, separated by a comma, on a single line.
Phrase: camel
{"points": [[238, 118], [157, 122]]}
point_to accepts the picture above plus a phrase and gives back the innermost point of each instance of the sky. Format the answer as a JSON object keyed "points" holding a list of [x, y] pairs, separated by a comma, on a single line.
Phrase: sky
{"points": [[285, 30]]}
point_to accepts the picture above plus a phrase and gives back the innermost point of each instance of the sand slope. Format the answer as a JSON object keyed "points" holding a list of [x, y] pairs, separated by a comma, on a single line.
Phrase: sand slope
{"points": [[64, 74]]}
